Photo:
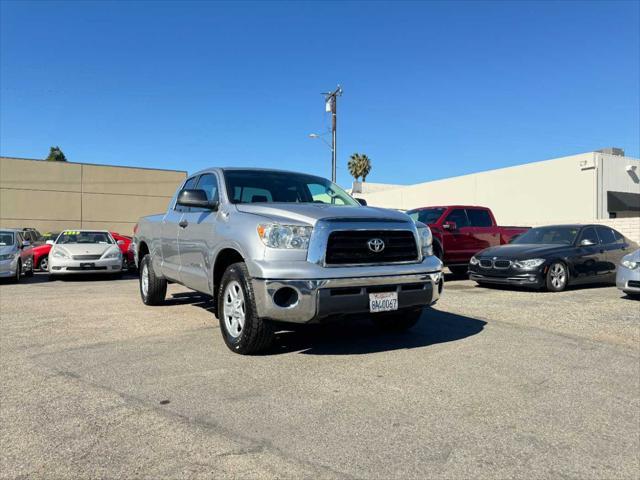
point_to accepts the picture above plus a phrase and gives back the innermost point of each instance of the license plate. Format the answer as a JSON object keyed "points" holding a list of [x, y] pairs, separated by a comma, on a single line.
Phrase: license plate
{"points": [[87, 265], [383, 302]]}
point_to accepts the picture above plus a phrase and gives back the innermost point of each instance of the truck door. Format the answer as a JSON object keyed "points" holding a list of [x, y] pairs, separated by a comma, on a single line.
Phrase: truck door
{"points": [[482, 232], [169, 239], [458, 245], [197, 239]]}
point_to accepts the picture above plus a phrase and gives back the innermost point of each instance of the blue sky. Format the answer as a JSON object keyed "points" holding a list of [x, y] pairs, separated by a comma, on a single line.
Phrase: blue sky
{"points": [[431, 89]]}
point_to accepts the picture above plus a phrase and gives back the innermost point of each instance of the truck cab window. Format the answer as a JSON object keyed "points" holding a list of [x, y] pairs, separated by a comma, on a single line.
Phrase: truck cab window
{"points": [[209, 184], [479, 218], [459, 216], [189, 184]]}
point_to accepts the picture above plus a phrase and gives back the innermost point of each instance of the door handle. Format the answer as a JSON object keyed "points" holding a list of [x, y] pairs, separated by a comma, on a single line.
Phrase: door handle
{"points": [[183, 223]]}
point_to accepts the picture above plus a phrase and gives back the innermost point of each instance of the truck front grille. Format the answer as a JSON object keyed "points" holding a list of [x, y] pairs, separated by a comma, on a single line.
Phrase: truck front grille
{"points": [[352, 247], [87, 257]]}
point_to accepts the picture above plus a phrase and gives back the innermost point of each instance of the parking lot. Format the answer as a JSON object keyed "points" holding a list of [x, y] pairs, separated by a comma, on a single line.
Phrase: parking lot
{"points": [[492, 383]]}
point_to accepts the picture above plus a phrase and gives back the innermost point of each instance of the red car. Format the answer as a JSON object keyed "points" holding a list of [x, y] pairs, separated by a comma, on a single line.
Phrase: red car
{"points": [[461, 231], [41, 252]]}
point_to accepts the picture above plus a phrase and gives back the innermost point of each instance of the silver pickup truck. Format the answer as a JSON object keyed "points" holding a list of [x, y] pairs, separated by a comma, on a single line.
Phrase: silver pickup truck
{"points": [[272, 246]]}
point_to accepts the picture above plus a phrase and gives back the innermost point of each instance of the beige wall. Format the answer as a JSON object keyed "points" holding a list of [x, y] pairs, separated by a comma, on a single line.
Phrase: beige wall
{"points": [[57, 195], [546, 191]]}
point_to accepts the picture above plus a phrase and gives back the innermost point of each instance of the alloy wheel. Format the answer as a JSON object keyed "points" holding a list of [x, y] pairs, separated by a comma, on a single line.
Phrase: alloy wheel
{"points": [[234, 311], [144, 280], [44, 263], [558, 275]]}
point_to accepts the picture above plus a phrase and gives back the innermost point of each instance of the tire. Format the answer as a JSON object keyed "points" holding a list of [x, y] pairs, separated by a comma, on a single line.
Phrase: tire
{"points": [[43, 263], [52, 277], [29, 273], [242, 330], [459, 270], [397, 321], [18, 274], [152, 289], [557, 277]]}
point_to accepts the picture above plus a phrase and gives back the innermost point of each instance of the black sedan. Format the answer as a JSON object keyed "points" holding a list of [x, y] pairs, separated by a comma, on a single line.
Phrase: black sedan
{"points": [[553, 257]]}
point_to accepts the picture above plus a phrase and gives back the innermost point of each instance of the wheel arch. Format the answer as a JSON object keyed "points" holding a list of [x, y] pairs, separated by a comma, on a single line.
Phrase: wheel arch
{"points": [[225, 257]]}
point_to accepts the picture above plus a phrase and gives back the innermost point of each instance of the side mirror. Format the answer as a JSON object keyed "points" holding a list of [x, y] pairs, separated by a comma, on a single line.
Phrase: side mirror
{"points": [[50, 242], [120, 242], [586, 243], [362, 201], [450, 225], [195, 198]]}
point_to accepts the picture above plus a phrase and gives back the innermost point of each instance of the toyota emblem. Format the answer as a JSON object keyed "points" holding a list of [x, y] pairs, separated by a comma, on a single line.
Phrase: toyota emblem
{"points": [[376, 245]]}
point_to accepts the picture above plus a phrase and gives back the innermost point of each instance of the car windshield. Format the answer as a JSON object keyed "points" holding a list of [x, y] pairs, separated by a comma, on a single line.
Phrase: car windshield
{"points": [[427, 215], [74, 236], [6, 238], [283, 187], [548, 235]]}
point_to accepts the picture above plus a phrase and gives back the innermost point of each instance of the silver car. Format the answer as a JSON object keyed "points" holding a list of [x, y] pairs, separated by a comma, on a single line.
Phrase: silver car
{"points": [[16, 255], [628, 276], [84, 251]]}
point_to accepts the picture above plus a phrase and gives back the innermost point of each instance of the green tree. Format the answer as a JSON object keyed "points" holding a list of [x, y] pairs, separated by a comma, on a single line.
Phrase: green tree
{"points": [[359, 166], [56, 155]]}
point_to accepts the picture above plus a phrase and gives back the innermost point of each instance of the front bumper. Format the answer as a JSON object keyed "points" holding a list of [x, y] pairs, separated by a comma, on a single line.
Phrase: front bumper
{"points": [[63, 266], [532, 279], [318, 299], [628, 280]]}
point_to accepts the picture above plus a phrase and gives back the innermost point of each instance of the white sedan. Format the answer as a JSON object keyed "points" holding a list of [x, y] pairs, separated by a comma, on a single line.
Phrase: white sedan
{"points": [[84, 251]]}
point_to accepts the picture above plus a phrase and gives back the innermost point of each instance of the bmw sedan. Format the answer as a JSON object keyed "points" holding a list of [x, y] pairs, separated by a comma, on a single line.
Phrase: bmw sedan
{"points": [[84, 251], [553, 257]]}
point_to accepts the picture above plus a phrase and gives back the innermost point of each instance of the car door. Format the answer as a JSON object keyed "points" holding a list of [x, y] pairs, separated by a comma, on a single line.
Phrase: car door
{"points": [[589, 259], [197, 238], [458, 245], [615, 247], [169, 236], [482, 232]]}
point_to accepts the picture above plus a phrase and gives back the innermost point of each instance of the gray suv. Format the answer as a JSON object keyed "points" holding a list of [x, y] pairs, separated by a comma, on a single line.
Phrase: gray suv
{"points": [[272, 246]]}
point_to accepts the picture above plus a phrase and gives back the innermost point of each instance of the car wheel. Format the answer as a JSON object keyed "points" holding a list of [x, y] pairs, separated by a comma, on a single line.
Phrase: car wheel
{"points": [[29, 273], [557, 277], [18, 274], [242, 330], [459, 270], [43, 264], [152, 289], [397, 321], [125, 265]]}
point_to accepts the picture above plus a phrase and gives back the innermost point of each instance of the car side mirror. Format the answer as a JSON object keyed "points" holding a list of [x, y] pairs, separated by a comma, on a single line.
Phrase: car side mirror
{"points": [[50, 242], [586, 243], [362, 201], [450, 226], [195, 198]]}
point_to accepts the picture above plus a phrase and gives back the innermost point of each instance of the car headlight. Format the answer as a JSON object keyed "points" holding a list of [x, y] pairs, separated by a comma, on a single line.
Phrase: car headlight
{"points": [[58, 253], [7, 256], [474, 261], [113, 253], [630, 264], [275, 235], [426, 241], [529, 264]]}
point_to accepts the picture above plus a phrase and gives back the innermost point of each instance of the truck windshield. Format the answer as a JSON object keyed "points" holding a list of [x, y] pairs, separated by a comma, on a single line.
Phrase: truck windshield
{"points": [[548, 236], [72, 236], [254, 186], [427, 215]]}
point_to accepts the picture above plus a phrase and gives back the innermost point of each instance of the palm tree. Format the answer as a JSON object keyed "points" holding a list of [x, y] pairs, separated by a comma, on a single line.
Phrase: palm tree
{"points": [[359, 166]]}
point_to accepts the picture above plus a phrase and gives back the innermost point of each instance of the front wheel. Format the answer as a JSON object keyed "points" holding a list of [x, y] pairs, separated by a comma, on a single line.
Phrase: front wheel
{"points": [[242, 330], [43, 263], [152, 289], [557, 277], [397, 321], [18, 275]]}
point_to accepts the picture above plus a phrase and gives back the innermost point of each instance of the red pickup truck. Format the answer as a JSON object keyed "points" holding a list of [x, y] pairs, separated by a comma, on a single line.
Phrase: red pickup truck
{"points": [[461, 231]]}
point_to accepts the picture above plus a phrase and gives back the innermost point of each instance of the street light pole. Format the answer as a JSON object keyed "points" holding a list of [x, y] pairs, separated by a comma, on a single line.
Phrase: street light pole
{"points": [[331, 99]]}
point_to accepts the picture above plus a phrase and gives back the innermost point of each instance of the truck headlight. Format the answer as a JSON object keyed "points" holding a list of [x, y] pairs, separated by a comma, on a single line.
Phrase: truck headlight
{"points": [[529, 264], [113, 253], [474, 261], [275, 235], [7, 256], [630, 264], [59, 253], [426, 241]]}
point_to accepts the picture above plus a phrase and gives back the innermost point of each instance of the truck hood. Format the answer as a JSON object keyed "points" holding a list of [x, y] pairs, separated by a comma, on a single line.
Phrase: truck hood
{"points": [[310, 213], [524, 251]]}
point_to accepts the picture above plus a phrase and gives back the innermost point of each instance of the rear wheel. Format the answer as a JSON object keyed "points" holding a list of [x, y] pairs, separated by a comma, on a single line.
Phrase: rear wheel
{"points": [[152, 289], [458, 270], [397, 321], [242, 330], [557, 277]]}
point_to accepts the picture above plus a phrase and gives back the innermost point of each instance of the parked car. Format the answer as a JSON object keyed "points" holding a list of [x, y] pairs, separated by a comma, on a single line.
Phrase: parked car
{"points": [[41, 252], [628, 276], [33, 236], [16, 255], [281, 246], [461, 231], [124, 243], [84, 251], [553, 257]]}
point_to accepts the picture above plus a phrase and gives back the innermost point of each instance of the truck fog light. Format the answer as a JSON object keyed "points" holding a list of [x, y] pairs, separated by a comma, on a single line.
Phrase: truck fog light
{"points": [[285, 297]]}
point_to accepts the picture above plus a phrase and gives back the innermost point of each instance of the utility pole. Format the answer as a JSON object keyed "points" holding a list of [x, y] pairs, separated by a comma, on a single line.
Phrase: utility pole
{"points": [[331, 105]]}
